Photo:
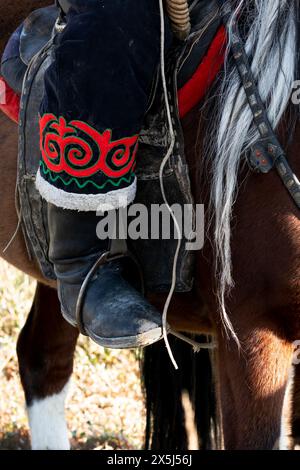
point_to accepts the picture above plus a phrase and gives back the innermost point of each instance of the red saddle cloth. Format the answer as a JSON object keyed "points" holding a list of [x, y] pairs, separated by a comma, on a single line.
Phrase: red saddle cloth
{"points": [[199, 84], [9, 101], [189, 95]]}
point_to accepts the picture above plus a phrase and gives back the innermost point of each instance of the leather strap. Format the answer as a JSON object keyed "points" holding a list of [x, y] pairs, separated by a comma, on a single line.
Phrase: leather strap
{"points": [[267, 152]]}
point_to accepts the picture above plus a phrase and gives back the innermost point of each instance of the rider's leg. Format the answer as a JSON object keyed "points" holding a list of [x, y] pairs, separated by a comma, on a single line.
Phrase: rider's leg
{"points": [[97, 90]]}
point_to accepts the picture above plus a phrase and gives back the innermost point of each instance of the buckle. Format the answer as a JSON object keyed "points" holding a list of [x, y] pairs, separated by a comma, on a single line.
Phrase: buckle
{"points": [[261, 159]]}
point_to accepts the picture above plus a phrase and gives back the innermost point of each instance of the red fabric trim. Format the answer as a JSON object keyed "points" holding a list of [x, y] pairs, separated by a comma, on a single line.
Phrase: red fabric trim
{"points": [[188, 96], [64, 151], [9, 101], [195, 89]]}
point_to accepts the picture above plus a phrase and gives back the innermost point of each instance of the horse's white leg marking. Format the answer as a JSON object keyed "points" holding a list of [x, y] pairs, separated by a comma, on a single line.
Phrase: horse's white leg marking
{"points": [[47, 423], [285, 431]]}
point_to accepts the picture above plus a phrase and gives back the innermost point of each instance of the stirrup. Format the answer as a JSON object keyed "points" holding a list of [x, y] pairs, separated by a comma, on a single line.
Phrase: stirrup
{"points": [[118, 250]]}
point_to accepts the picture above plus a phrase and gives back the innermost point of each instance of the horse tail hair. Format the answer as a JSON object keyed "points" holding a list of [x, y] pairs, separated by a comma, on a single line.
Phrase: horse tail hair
{"points": [[164, 388]]}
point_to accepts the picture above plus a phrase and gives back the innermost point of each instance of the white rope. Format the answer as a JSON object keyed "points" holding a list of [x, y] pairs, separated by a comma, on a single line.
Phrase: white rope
{"points": [[13, 237], [196, 346]]}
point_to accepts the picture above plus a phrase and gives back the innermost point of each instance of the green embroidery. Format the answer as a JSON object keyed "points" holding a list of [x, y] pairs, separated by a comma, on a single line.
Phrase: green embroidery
{"points": [[117, 183]]}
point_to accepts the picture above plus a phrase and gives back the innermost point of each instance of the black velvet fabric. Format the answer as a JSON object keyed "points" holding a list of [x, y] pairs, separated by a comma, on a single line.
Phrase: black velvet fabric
{"points": [[104, 64]]}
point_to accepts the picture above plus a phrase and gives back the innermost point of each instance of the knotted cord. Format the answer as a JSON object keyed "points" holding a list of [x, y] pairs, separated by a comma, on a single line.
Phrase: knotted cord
{"points": [[178, 11]]}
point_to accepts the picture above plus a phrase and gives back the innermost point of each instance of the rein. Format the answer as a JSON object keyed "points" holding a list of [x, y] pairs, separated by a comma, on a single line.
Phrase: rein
{"points": [[267, 153]]}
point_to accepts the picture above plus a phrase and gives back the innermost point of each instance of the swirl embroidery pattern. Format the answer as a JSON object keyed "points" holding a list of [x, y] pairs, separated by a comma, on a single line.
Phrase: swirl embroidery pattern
{"points": [[79, 150]]}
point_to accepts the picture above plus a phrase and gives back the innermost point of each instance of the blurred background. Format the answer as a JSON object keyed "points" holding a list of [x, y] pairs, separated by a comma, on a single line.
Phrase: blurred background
{"points": [[105, 407]]}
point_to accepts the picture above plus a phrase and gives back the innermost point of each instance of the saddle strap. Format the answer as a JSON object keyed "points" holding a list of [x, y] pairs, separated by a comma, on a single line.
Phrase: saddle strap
{"points": [[267, 152], [32, 207]]}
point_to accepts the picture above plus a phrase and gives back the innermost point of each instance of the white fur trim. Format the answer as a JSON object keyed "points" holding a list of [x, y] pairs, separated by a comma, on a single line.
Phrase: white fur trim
{"points": [[47, 423], [85, 202]]}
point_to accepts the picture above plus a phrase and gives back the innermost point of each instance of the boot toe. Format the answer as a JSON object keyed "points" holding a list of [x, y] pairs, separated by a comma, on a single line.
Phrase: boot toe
{"points": [[114, 314], [117, 316]]}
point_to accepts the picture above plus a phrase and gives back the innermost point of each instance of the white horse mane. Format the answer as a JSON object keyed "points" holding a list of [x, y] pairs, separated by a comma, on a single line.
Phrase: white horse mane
{"points": [[271, 45]]}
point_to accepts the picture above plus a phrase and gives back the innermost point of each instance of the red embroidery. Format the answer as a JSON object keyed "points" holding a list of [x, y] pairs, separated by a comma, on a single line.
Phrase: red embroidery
{"points": [[64, 151]]}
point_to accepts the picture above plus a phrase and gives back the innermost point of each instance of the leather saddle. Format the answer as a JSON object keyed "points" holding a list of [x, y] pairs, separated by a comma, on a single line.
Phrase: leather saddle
{"points": [[155, 256]]}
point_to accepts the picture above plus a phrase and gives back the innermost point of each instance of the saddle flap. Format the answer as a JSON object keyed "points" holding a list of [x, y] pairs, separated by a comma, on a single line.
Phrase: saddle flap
{"points": [[155, 256], [37, 30]]}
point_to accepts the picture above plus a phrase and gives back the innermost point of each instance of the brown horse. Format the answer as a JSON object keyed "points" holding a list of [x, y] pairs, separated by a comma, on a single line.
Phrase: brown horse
{"points": [[263, 306]]}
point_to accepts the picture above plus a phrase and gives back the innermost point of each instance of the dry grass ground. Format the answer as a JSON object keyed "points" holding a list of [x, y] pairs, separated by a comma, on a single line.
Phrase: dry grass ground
{"points": [[105, 408]]}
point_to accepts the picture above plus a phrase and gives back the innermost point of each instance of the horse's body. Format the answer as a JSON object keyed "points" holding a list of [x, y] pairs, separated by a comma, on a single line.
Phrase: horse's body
{"points": [[264, 305]]}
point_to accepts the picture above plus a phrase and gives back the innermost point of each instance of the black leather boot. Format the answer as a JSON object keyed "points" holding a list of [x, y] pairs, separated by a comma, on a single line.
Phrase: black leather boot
{"points": [[113, 313]]}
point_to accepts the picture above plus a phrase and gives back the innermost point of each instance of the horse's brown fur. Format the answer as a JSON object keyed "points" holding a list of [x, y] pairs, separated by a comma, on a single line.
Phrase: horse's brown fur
{"points": [[264, 305]]}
